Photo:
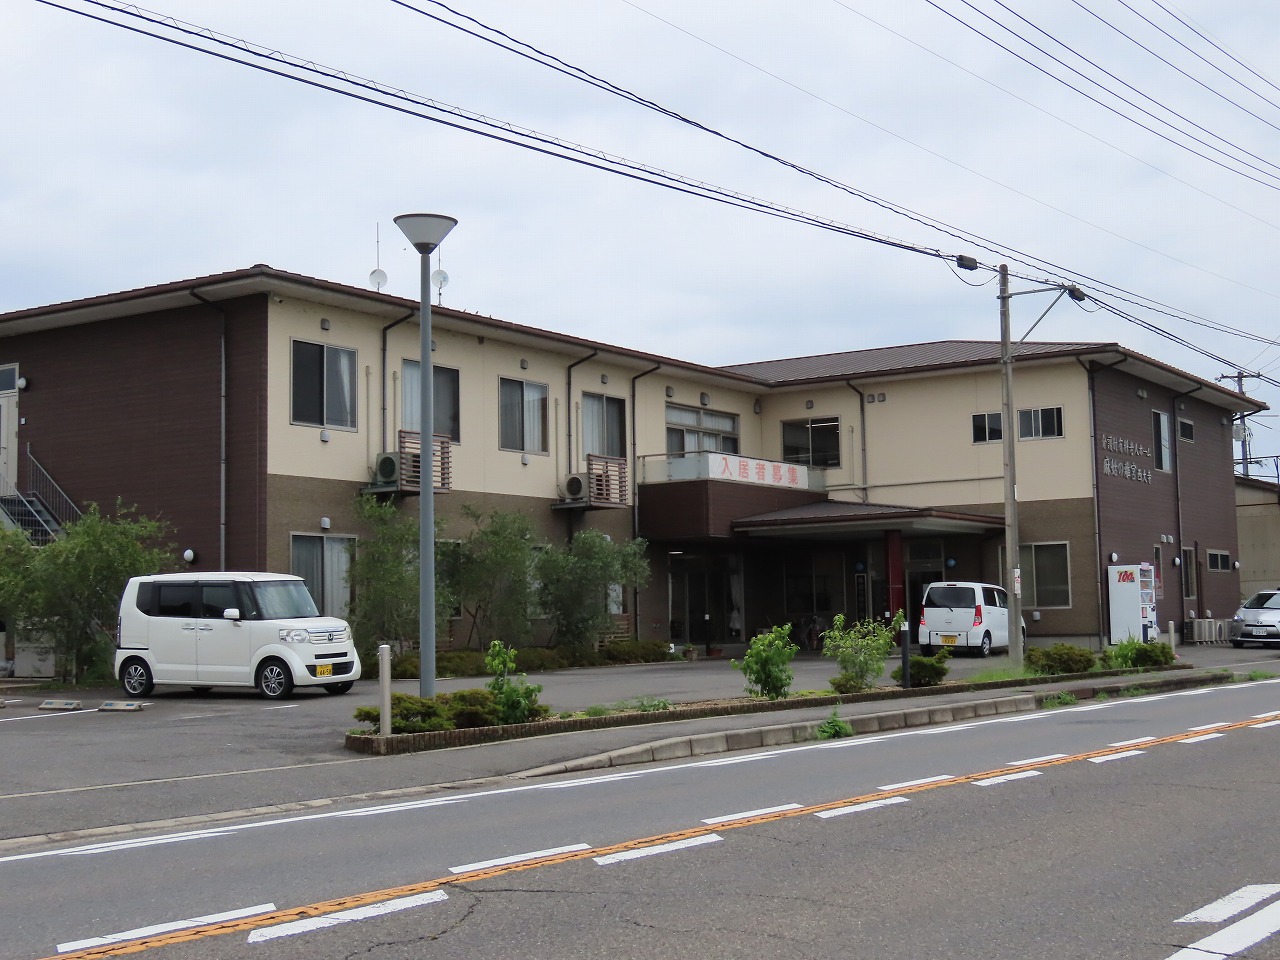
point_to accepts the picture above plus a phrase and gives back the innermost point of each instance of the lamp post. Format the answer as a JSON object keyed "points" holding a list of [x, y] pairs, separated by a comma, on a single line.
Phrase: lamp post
{"points": [[426, 231], [1009, 437]]}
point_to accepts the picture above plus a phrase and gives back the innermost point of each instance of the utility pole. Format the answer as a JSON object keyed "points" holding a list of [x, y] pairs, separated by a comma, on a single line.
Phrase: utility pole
{"points": [[1239, 378], [1012, 563]]}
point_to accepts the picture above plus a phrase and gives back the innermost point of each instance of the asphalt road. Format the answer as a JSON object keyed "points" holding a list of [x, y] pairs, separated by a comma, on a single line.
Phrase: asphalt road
{"points": [[1082, 832]]}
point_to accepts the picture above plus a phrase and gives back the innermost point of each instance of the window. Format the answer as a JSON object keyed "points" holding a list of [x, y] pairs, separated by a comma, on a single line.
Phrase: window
{"points": [[1186, 430], [1188, 573], [604, 425], [690, 429], [216, 598], [1219, 560], [814, 442], [323, 562], [1160, 448], [324, 385], [444, 399], [8, 379], [522, 415], [1039, 422], [986, 428], [1046, 575]]}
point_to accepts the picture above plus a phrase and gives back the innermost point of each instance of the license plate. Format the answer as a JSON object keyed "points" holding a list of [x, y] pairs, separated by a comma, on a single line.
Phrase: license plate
{"points": [[1259, 631], [949, 639], [324, 669]]}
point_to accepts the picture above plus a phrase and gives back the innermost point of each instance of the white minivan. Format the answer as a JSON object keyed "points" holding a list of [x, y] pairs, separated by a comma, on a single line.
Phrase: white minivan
{"points": [[230, 630], [965, 615]]}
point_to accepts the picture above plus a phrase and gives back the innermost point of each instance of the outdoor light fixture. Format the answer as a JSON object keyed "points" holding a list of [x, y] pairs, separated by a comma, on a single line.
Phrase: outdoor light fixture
{"points": [[426, 231], [1115, 557], [22, 383], [189, 555], [1177, 561]]}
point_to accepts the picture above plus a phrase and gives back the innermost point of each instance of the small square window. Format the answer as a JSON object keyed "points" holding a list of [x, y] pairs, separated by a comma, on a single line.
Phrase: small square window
{"points": [[1186, 431], [986, 428]]}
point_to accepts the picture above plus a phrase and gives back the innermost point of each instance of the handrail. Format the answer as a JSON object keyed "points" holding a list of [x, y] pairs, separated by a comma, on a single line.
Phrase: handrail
{"points": [[28, 518], [41, 485]]}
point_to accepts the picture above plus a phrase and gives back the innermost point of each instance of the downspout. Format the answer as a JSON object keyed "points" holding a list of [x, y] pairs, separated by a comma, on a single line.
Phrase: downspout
{"points": [[862, 430], [568, 407], [1176, 466], [385, 331], [1103, 630], [222, 429], [635, 499]]}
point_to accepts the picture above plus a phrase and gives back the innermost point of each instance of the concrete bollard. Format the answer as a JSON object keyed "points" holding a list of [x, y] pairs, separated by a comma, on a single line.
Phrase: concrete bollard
{"points": [[384, 690]]}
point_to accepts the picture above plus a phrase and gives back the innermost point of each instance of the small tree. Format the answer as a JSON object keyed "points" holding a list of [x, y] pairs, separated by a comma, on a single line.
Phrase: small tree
{"points": [[859, 650], [574, 584], [492, 576], [767, 663], [384, 581], [73, 584]]}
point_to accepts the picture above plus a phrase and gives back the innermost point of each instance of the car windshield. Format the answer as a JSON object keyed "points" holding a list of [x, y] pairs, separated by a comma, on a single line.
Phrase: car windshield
{"points": [[1264, 601], [949, 597], [284, 600]]}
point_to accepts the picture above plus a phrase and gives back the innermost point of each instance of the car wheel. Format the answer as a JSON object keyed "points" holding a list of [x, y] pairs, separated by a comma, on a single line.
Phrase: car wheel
{"points": [[985, 649], [135, 677], [336, 688], [275, 682], [926, 650]]}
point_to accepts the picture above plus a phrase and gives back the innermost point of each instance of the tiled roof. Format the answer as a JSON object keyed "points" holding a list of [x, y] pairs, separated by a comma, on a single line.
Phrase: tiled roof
{"points": [[907, 358]]}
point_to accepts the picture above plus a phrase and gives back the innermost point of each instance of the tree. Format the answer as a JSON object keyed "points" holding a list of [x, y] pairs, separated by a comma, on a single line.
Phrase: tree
{"points": [[574, 583], [490, 575], [73, 584]]}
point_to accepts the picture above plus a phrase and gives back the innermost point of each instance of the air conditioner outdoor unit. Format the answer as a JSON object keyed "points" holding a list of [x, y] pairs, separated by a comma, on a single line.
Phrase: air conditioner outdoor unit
{"points": [[386, 468], [575, 487]]}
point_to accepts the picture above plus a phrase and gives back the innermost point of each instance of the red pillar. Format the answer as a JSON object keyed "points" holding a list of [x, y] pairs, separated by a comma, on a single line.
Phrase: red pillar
{"points": [[895, 572]]}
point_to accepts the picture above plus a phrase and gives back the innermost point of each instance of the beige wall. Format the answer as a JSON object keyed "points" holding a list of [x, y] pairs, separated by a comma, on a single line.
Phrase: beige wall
{"points": [[1258, 520]]}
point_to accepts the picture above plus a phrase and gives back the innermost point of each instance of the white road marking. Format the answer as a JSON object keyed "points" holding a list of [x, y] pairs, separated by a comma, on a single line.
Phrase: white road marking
{"points": [[294, 927], [730, 761], [282, 706], [47, 716], [607, 778], [140, 842], [1233, 903], [1089, 707], [1203, 737], [917, 783], [1209, 726], [1231, 940], [1131, 743], [658, 848], [747, 814], [1047, 756], [398, 807], [858, 807], [1005, 778], [1269, 713], [197, 716], [165, 928], [1263, 726], [1117, 756], [519, 857]]}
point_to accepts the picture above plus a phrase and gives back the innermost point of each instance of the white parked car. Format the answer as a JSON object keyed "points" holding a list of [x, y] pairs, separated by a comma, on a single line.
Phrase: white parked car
{"points": [[1258, 620], [230, 630], [965, 615]]}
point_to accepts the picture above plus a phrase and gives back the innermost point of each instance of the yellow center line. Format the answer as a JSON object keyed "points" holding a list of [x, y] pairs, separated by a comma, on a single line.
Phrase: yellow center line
{"points": [[308, 911]]}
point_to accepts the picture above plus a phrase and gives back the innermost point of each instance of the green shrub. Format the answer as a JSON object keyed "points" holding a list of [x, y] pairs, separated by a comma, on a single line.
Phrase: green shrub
{"points": [[643, 704], [516, 697], [470, 708], [1153, 655], [409, 714], [926, 671], [1064, 698], [596, 710], [833, 728], [635, 651], [767, 663], [452, 663], [540, 659], [859, 650], [1060, 658]]}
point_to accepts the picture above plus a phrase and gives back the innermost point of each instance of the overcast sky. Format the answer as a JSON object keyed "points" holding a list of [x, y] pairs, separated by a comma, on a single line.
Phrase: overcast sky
{"points": [[129, 161]]}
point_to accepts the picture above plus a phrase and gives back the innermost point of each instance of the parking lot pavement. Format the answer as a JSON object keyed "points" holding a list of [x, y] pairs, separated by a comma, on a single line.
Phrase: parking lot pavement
{"points": [[188, 754]]}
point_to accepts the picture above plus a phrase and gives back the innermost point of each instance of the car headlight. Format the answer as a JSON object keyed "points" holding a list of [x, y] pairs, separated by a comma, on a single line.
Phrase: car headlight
{"points": [[294, 636]]}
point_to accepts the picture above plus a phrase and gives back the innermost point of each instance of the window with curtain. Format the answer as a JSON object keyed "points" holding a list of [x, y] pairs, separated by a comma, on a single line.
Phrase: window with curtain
{"points": [[1046, 575], [445, 399], [604, 425], [323, 562], [690, 429], [522, 415], [323, 385]]}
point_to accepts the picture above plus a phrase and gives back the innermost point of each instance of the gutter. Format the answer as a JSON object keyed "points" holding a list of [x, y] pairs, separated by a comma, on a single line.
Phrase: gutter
{"points": [[222, 428], [385, 331]]}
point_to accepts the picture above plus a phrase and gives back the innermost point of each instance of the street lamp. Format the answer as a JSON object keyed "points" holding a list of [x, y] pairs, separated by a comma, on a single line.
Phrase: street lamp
{"points": [[1012, 571], [426, 231]]}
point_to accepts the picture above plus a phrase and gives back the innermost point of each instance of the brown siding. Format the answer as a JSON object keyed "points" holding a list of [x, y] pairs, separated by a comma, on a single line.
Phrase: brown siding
{"points": [[707, 508], [130, 409]]}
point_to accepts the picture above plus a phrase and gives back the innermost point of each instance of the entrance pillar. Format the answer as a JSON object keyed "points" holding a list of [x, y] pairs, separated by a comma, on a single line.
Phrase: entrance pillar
{"points": [[895, 572]]}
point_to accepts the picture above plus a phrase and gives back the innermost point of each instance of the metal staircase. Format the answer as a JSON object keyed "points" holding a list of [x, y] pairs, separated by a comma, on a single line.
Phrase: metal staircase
{"points": [[42, 511]]}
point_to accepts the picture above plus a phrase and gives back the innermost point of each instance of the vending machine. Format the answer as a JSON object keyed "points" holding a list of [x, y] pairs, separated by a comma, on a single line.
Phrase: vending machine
{"points": [[1133, 602]]}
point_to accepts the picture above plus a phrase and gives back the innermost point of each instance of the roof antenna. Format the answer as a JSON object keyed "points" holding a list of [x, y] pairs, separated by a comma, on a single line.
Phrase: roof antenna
{"points": [[439, 278], [378, 276]]}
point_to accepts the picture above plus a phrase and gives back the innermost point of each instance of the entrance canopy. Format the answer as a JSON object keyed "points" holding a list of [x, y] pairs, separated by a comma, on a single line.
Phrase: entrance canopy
{"points": [[831, 519]]}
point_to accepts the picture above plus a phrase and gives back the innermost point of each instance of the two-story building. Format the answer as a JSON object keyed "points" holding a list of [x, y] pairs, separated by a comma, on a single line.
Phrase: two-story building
{"points": [[249, 409]]}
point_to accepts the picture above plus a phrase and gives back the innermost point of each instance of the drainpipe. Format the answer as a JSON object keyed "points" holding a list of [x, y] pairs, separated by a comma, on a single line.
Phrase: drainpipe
{"points": [[568, 406], [222, 429], [635, 488], [1176, 467], [1103, 627], [386, 330], [862, 430]]}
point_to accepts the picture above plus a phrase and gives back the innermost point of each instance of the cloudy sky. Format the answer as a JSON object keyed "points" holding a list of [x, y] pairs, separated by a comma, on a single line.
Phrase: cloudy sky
{"points": [[130, 161]]}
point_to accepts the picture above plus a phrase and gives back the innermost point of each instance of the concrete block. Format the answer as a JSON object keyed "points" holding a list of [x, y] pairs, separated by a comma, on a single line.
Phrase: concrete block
{"points": [[642, 753], [60, 705], [705, 743], [120, 706], [984, 708], [674, 749], [918, 717], [868, 724], [941, 715], [963, 711], [776, 736], [743, 739], [891, 721], [1006, 705]]}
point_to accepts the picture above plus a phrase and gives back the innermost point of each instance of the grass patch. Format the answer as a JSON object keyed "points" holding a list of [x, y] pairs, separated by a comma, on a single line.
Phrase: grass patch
{"points": [[1064, 698], [1000, 673], [1259, 675]]}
